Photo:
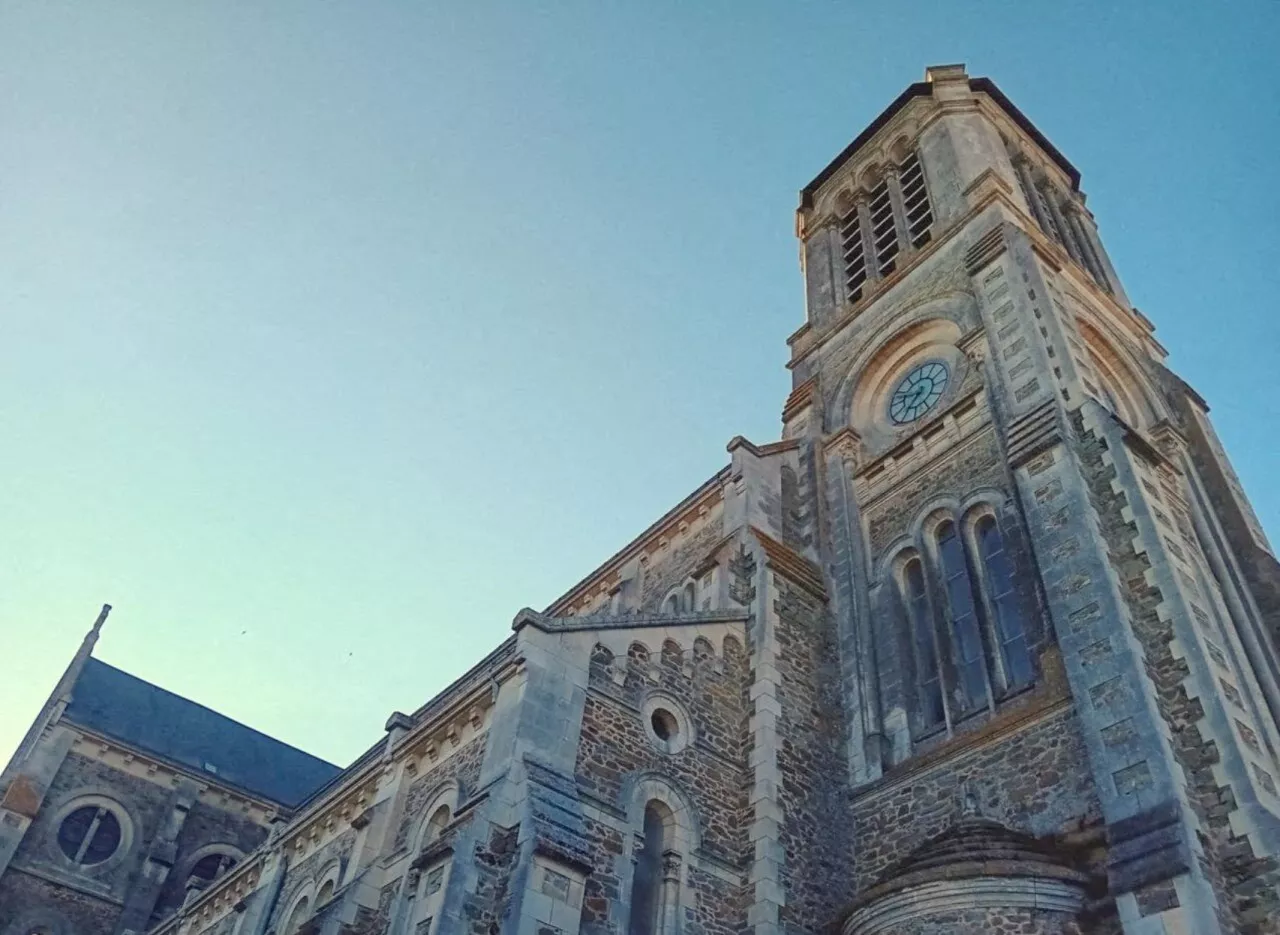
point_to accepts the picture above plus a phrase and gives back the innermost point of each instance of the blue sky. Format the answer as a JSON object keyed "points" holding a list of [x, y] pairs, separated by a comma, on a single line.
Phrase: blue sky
{"points": [[334, 334]]}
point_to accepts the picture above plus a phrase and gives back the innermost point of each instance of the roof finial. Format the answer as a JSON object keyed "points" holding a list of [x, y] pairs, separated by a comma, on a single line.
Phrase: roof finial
{"points": [[102, 618]]}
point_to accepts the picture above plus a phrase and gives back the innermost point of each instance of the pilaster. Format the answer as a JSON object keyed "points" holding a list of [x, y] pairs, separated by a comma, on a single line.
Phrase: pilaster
{"points": [[851, 605], [163, 851], [765, 877], [27, 788], [1139, 783]]}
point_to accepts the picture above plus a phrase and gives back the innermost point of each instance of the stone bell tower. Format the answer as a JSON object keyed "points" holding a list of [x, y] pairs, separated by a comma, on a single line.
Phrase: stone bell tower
{"points": [[1047, 581]]}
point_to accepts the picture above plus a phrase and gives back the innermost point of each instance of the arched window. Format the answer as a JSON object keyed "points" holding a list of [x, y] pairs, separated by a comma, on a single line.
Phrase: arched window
{"points": [[1009, 628], [325, 894], [672, 604], [689, 598], [928, 680], [972, 687], [646, 887], [436, 824], [209, 867], [301, 911]]}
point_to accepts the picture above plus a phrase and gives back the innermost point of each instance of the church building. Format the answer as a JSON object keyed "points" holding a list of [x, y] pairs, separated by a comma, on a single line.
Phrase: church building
{"points": [[987, 641]]}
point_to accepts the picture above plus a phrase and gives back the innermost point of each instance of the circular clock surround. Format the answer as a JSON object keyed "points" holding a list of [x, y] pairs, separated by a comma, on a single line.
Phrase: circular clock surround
{"points": [[918, 391]]}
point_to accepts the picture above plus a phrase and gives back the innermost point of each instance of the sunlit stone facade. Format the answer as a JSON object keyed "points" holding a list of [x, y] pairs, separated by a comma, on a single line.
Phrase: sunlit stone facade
{"points": [[985, 642]]}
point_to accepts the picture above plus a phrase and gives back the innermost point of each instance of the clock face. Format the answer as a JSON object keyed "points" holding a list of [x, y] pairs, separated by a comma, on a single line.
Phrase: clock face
{"points": [[918, 392]]}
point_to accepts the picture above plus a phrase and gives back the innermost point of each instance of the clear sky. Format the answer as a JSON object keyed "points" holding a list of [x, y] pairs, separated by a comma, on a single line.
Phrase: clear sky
{"points": [[331, 335]]}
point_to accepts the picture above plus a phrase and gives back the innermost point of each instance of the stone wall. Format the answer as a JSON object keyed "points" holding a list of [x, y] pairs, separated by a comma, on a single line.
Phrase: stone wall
{"points": [[1245, 886], [21, 894], [709, 684], [811, 761], [486, 906], [205, 825], [670, 569], [993, 922], [615, 746], [1035, 780], [463, 767]]}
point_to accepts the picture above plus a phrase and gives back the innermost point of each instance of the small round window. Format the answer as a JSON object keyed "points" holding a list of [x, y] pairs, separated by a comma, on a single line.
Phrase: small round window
{"points": [[89, 835], [666, 724]]}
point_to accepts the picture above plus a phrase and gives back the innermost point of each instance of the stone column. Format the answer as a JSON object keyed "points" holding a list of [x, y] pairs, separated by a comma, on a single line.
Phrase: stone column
{"points": [[1089, 257], [669, 895], [1023, 167], [900, 227], [862, 204], [823, 270], [1111, 282], [1065, 233]]}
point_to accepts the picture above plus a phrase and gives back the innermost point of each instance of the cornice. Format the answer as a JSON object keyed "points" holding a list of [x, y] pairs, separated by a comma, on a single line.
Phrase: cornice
{"points": [[163, 771]]}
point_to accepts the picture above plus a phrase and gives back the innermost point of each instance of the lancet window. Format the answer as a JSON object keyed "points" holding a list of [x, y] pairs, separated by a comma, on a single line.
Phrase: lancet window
{"points": [[964, 616], [655, 887]]}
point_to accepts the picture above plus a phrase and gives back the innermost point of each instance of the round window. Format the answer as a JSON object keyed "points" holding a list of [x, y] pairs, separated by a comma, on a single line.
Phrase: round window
{"points": [[89, 835], [664, 724], [667, 724]]}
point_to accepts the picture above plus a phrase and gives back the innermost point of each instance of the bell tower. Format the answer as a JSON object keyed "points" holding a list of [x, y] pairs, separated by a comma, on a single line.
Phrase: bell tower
{"points": [[1035, 541]]}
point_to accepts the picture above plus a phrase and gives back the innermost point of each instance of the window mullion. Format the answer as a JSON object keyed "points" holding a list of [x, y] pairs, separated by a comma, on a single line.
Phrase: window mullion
{"points": [[88, 837], [901, 229], [863, 207]]}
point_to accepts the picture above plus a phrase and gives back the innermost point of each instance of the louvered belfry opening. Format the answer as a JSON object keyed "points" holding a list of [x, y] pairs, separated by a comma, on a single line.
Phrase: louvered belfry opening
{"points": [[855, 254], [915, 202], [884, 234], [875, 232]]}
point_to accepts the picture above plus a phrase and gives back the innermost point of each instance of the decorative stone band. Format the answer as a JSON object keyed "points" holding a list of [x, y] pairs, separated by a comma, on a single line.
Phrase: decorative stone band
{"points": [[984, 250], [1146, 848], [894, 910], [1034, 432], [627, 621]]}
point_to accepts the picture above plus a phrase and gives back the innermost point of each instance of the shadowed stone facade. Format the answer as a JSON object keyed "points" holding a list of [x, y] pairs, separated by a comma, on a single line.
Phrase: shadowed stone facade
{"points": [[985, 643]]}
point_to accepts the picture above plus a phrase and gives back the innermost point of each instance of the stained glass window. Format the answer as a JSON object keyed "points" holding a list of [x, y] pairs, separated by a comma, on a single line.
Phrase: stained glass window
{"points": [[964, 619], [922, 635], [1009, 627]]}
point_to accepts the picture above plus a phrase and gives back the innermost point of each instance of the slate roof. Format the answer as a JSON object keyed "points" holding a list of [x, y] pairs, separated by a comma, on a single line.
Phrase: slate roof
{"points": [[152, 720]]}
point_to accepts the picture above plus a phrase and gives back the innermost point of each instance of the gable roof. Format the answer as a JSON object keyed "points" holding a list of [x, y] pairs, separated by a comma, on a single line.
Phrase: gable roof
{"points": [[124, 707]]}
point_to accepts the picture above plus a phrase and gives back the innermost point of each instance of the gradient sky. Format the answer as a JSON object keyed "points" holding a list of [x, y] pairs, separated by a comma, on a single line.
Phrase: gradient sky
{"points": [[331, 335]]}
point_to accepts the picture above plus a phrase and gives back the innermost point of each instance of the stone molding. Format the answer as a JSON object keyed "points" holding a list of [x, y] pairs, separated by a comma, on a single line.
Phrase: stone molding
{"points": [[637, 621], [889, 914], [163, 773]]}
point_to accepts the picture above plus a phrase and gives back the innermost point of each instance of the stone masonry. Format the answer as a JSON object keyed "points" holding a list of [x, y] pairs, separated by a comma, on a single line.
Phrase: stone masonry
{"points": [[985, 642]]}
